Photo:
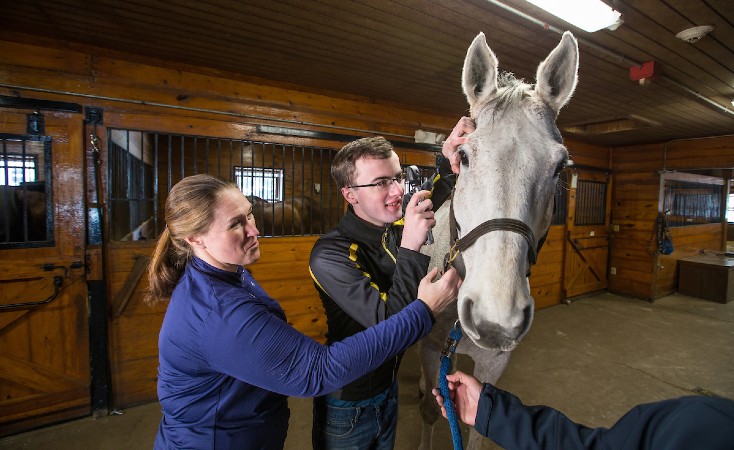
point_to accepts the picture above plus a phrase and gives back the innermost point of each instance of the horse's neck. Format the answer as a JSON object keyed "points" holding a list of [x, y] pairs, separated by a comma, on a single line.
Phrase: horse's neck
{"points": [[441, 237]]}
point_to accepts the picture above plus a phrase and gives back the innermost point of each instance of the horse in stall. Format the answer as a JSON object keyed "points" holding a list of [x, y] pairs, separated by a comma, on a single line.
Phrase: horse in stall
{"points": [[502, 206], [291, 217], [23, 212]]}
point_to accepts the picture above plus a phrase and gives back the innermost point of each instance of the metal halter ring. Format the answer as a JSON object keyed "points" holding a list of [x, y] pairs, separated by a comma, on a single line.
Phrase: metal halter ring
{"points": [[451, 256]]}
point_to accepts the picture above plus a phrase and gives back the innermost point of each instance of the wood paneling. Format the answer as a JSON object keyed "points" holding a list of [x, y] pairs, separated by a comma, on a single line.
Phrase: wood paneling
{"points": [[283, 272], [546, 277], [699, 153], [634, 209], [640, 272], [134, 335], [588, 155]]}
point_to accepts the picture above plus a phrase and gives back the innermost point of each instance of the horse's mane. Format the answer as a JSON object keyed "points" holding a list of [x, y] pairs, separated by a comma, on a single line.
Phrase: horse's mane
{"points": [[509, 90]]}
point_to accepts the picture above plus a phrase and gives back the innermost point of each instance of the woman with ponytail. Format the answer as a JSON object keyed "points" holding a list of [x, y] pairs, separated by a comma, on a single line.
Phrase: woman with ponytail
{"points": [[227, 357]]}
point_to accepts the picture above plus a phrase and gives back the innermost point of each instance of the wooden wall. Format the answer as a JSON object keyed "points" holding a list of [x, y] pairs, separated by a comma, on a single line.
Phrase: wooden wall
{"points": [[635, 206], [583, 154], [134, 333], [634, 209], [546, 279]]}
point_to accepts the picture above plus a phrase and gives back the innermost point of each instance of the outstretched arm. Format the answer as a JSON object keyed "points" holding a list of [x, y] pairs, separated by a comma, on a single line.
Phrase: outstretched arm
{"points": [[503, 418], [250, 343], [686, 422]]}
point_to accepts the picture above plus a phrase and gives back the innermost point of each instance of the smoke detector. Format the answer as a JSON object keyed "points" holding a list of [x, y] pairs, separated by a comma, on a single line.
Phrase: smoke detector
{"points": [[691, 35]]}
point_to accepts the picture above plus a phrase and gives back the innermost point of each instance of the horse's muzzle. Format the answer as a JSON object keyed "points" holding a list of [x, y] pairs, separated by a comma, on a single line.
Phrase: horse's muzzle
{"points": [[491, 335]]}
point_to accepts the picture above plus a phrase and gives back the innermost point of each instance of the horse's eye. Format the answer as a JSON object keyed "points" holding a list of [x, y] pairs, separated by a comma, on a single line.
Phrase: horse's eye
{"points": [[464, 158], [559, 168]]}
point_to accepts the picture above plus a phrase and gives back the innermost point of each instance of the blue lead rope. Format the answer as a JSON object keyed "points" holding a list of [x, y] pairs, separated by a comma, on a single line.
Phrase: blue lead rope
{"points": [[443, 384]]}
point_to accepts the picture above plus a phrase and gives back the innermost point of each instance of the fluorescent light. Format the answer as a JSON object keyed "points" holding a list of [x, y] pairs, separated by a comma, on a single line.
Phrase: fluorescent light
{"points": [[589, 15]]}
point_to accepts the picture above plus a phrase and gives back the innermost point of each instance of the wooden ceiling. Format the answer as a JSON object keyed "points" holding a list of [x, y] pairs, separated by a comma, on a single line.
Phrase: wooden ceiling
{"points": [[411, 52]]}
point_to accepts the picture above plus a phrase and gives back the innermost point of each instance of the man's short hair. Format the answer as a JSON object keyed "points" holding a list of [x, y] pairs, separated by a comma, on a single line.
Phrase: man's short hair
{"points": [[344, 164]]}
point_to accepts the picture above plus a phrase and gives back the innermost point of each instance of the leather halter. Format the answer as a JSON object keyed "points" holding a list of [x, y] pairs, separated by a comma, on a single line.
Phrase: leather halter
{"points": [[452, 258]]}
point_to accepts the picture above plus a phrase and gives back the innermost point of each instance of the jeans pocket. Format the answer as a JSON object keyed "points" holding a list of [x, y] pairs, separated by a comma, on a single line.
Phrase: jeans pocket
{"points": [[340, 422]]}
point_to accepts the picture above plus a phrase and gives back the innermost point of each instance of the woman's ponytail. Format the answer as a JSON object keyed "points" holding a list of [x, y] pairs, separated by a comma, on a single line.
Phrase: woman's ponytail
{"points": [[189, 211]]}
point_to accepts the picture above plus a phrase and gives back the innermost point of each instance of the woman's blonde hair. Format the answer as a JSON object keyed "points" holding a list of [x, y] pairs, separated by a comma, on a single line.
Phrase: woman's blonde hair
{"points": [[189, 212]]}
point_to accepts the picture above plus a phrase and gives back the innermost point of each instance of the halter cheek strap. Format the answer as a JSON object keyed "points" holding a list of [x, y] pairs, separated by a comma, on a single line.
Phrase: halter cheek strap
{"points": [[452, 258]]}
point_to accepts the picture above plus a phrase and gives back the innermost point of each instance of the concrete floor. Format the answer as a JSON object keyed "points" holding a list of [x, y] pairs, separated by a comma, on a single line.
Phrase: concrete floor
{"points": [[593, 359]]}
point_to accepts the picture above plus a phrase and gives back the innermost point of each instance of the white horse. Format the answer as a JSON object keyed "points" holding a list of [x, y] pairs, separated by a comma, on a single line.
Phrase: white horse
{"points": [[509, 170]]}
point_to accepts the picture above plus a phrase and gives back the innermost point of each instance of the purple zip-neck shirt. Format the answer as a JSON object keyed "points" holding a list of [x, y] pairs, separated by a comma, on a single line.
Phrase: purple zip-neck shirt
{"points": [[228, 359]]}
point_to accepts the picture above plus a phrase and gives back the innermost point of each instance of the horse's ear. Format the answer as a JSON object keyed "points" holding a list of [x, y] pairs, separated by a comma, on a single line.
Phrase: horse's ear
{"points": [[479, 76], [557, 75]]}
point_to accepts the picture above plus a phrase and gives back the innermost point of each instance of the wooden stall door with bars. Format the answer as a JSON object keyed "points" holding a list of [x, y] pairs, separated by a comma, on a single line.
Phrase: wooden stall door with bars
{"points": [[44, 332], [587, 233]]}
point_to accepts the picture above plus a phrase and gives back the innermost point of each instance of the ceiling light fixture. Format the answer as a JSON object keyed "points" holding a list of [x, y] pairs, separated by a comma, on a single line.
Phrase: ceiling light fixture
{"points": [[589, 15]]}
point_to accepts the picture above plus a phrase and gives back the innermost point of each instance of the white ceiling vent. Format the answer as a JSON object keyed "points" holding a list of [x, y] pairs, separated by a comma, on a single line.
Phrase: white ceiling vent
{"points": [[691, 35]]}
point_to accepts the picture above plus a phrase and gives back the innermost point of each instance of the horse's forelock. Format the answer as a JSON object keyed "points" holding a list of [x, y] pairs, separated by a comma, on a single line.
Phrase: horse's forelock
{"points": [[510, 90], [507, 80]]}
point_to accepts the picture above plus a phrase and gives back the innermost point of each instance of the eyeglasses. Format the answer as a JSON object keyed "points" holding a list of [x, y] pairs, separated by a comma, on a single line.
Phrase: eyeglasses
{"points": [[383, 184]]}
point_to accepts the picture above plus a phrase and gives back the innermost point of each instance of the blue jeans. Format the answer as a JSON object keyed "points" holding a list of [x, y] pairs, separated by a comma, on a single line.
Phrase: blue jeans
{"points": [[356, 425]]}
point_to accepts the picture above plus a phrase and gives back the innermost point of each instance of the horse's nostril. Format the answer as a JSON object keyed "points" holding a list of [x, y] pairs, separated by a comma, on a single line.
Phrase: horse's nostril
{"points": [[466, 312], [527, 311], [527, 317]]}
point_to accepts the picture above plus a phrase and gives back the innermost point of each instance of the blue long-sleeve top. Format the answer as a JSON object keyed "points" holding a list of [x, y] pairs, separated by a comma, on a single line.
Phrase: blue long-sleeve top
{"points": [[228, 359], [684, 423]]}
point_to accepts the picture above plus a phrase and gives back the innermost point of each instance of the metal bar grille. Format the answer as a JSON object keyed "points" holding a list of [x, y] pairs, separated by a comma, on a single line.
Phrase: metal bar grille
{"points": [[26, 208], [591, 203], [688, 203], [289, 186]]}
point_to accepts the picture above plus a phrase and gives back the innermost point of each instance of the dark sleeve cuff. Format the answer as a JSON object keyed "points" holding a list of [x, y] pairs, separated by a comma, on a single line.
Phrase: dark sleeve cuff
{"points": [[484, 410], [413, 255], [430, 313], [444, 166]]}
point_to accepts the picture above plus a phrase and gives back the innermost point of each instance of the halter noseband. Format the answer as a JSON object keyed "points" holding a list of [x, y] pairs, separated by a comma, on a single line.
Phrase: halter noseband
{"points": [[459, 245]]}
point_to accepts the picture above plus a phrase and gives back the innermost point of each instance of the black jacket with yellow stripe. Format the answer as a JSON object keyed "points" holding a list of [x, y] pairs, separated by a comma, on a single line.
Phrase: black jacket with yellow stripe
{"points": [[363, 277]]}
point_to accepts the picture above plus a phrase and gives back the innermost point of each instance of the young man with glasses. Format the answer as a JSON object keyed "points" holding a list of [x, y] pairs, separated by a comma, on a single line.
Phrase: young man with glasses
{"points": [[366, 269]]}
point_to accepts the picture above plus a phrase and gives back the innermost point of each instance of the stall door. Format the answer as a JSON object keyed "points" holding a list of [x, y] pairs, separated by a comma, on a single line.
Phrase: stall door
{"points": [[44, 338], [587, 235]]}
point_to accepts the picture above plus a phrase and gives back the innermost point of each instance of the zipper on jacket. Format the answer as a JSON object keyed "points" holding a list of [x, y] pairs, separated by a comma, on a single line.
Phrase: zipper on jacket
{"points": [[384, 245]]}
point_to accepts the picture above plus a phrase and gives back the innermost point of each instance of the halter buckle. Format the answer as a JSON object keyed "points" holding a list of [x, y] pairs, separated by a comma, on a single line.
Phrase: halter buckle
{"points": [[451, 256]]}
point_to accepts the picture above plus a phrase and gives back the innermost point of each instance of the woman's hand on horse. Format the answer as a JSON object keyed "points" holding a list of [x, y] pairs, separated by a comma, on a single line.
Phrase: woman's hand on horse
{"points": [[419, 218], [457, 138], [464, 391], [441, 293]]}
